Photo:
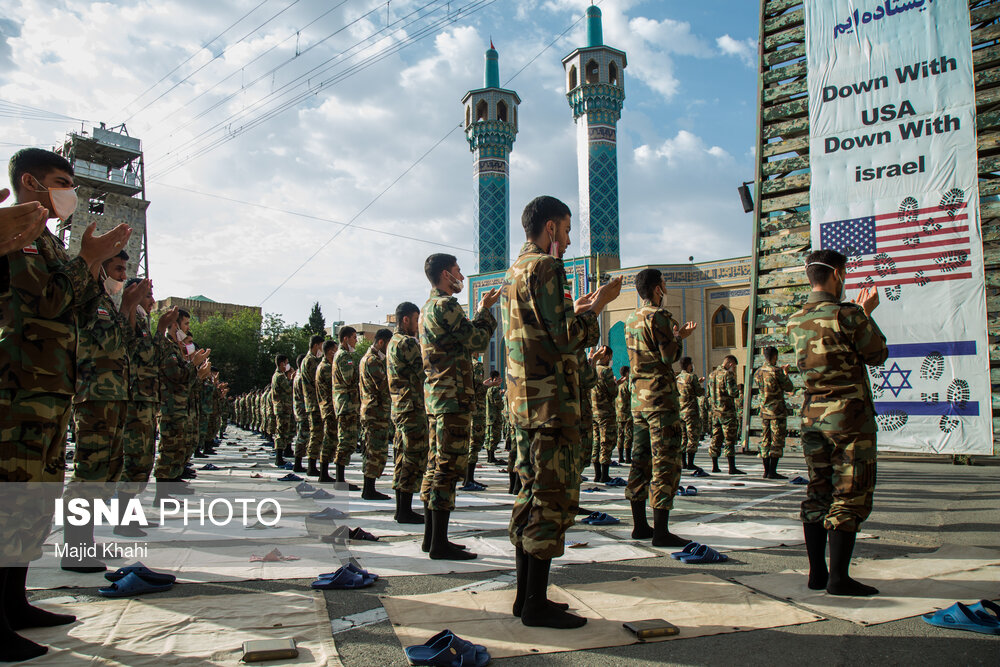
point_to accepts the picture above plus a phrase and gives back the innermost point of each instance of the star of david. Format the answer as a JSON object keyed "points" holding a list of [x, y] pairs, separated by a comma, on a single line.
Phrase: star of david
{"points": [[904, 377]]}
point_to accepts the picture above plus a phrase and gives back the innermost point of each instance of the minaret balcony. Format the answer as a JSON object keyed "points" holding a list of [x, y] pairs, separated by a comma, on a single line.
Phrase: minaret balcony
{"points": [[596, 97], [490, 133]]}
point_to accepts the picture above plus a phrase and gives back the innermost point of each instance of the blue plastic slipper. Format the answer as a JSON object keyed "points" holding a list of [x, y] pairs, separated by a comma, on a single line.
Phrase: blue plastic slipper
{"points": [[155, 578], [592, 489], [328, 513], [342, 579], [691, 491], [305, 487], [358, 570], [710, 555], [482, 655], [445, 650], [686, 551], [131, 585], [320, 494], [616, 481], [960, 617], [699, 472], [290, 477], [604, 520], [988, 607], [210, 466], [799, 479], [368, 577]]}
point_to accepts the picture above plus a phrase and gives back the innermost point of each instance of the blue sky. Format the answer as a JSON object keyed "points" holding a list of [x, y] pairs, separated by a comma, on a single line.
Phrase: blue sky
{"points": [[685, 137]]}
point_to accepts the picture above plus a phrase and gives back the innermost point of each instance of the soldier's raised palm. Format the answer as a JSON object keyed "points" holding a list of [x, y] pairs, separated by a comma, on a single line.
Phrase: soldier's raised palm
{"points": [[685, 330]]}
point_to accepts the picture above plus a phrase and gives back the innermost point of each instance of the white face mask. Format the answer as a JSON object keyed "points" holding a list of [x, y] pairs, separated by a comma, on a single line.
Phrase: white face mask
{"points": [[142, 311], [189, 348], [180, 335], [63, 200], [456, 284], [319, 354], [113, 286]]}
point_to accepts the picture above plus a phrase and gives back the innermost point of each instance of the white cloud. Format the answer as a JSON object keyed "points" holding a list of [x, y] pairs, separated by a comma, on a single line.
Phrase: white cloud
{"points": [[745, 50]]}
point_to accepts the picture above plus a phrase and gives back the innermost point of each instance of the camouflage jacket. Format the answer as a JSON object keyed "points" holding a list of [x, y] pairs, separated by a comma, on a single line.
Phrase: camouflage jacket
{"points": [[772, 383], [207, 397], [604, 393], [494, 405], [103, 355], [478, 377], [269, 411], [281, 393], [324, 387], [175, 380], [375, 402], [308, 372], [623, 404], [45, 299], [346, 393], [689, 389], [405, 371], [723, 391], [588, 380], [144, 362], [652, 351], [298, 398], [448, 339], [543, 335], [833, 342], [194, 396]]}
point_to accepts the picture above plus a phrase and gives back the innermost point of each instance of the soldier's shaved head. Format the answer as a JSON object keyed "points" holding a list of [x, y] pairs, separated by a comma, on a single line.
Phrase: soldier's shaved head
{"points": [[821, 264], [437, 264], [329, 345], [686, 363], [646, 282], [540, 211], [771, 353]]}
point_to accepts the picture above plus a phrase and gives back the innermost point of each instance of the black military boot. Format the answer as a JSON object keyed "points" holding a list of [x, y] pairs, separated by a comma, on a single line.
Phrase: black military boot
{"points": [[598, 472], [14, 647], [298, 465], [343, 480], [513, 482], [428, 530], [628, 456], [370, 493], [81, 538], [441, 548], [123, 529], [733, 470], [289, 452], [641, 529], [815, 534], [662, 537], [840, 583], [279, 459], [774, 469], [521, 565], [312, 470], [404, 509], [715, 464], [20, 613], [767, 467], [324, 472], [606, 469], [537, 612], [691, 465]]}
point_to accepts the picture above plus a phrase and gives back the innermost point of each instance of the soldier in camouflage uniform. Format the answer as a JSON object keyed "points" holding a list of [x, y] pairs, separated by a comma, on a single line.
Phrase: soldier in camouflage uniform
{"points": [[207, 411], [739, 417], [307, 369], [772, 383], [327, 413], [45, 298], [448, 339], [688, 391], [281, 405], [623, 411], [405, 374], [588, 379], [192, 425], [100, 407], [346, 401], [544, 331], [833, 342], [494, 416], [375, 411], [603, 396], [654, 340], [477, 434], [515, 480], [722, 391], [301, 418]]}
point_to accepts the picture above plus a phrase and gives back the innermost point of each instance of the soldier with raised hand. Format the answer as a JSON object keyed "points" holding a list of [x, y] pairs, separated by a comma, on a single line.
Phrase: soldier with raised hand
{"points": [[688, 390], [723, 392], [834, 341], [375, 412], [603, 397], [346, 401], [772, 383], [281, 404], [448, 339], [301, 418], [20, 224], [405, 373], [623, 411], [494, 416], [544, 330], [477, 434], [327, 413], [307, 369], [45, 298], [654, 340]]}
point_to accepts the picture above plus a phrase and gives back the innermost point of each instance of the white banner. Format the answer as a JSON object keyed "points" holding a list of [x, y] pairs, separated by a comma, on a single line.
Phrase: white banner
{"points": [[892, 152]]}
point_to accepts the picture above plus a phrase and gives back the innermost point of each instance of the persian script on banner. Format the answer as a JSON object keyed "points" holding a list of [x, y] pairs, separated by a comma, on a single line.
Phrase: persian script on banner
{"points": [[892, 153]]}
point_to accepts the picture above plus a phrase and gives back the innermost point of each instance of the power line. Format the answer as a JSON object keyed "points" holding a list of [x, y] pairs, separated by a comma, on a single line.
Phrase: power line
{"points": [[188, 59]]}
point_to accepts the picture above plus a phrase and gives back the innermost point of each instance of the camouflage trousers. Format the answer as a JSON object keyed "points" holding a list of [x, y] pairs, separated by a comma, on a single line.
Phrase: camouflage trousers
{"points": [[656, 459], [690, 433], [205, 433], [772, 437], [284, 431], [545, 508], [317, 433], [100, 454], [585, 448], [32, 469], [625, 438], [447, 458], [376, 448], [723, 429], [606, 430], [191, 434], [410, 447], [271, 425], [139, 446], [302, 435], [328, 443], [347, 437], [170, 461], [841, 479], [477, 435], [494, 433]]}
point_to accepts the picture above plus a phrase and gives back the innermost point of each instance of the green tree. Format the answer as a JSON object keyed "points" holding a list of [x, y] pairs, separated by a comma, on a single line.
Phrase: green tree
{"points": [[235, 343], [317, 323], [359, 351]]}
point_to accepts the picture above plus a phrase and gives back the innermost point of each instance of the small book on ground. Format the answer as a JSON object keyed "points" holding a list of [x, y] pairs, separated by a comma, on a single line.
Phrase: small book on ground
{"points": [[259, 650], [651, 628]]}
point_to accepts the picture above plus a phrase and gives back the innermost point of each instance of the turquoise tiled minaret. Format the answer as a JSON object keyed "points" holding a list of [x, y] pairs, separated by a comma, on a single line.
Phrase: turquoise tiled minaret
{"points": [[595, 85], [491, 127]]}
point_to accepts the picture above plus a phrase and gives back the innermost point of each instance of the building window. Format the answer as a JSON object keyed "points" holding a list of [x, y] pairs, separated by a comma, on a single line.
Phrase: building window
{"points": [[481, 110], [572, 77], [746, 326], [613, 73], [502, 111], [592, 75], [468, 116], [723, 328]]}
